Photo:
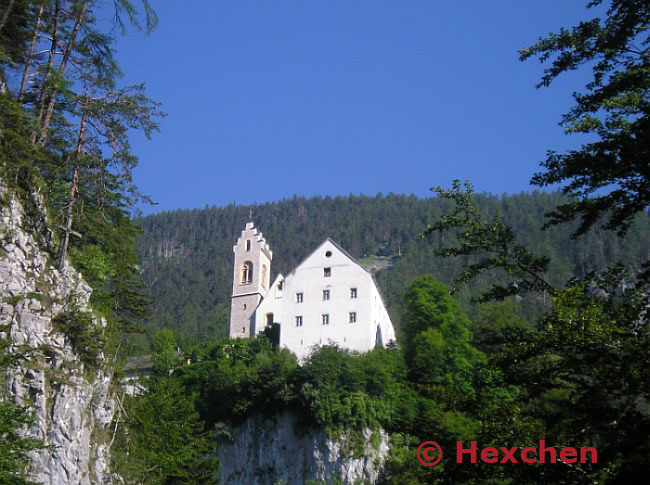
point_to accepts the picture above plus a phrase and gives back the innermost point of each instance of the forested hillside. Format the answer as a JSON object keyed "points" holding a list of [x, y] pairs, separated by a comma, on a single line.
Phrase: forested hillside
{"points": [[187, 254]]}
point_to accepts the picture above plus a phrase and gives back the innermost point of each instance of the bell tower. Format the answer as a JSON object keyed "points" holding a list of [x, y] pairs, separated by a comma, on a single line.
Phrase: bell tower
{"points": [[251, 279]]}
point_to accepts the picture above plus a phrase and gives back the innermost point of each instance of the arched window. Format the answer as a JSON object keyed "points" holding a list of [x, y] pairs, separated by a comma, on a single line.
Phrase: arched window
{"points": [[247, 273], [264, 276]]}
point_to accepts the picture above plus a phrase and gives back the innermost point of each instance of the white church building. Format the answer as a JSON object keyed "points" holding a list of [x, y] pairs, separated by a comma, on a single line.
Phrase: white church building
{"points": [[328, 298]]}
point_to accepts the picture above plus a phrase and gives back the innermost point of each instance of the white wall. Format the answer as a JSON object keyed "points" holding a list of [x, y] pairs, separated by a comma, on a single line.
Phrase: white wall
{"points": [[308, 278], [272, 303]]}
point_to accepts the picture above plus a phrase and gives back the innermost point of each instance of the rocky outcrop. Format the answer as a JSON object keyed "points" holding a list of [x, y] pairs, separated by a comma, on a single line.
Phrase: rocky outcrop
{"points": [[272, 451], [71, 401]]}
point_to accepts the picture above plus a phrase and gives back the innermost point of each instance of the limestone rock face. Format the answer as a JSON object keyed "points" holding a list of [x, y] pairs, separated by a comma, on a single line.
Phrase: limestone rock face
{"points": [[273, 451], [71, 403]]}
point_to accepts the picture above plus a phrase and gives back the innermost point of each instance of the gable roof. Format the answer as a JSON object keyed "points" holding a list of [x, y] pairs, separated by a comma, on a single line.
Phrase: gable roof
{"points": [[337, 246], [351, 258]]}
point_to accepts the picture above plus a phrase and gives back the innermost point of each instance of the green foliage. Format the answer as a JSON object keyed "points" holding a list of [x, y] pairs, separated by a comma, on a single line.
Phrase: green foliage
{"points": [[456, 394], [499, 324], [164, 353], [14, 446], [344, 391], [599, 371], [164, 442], [187, 255], [64, 135], [608, 176], [94, 263], [493, 241], [437, 340], [17, 154], [84, 334], [580, 377], [234, 379], [334, 388]]}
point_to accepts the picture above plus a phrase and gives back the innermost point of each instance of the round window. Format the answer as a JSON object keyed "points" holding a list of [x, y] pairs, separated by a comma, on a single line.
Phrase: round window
{"points": [[328, 254]]}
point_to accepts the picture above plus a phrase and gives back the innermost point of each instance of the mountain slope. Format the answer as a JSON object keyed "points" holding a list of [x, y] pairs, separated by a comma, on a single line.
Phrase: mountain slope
{"points": [[187, 254]]}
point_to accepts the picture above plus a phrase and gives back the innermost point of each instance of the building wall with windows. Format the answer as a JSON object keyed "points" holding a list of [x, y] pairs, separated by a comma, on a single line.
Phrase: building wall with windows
{"points": [[328, 298]]}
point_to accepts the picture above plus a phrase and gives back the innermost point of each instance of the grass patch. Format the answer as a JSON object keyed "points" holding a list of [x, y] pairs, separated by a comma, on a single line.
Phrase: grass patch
{"points": [[13, 300]]}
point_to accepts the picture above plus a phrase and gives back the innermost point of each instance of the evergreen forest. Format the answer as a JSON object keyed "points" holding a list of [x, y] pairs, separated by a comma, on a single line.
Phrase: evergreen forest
{"points": [[187, 260]]}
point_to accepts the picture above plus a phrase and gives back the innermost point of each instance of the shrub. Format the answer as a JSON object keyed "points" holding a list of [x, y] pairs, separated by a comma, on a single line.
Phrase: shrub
{"points": [[86, 338]]}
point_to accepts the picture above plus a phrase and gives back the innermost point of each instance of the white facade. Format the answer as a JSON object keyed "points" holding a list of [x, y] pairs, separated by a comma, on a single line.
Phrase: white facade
{"points": [[328, 298]]}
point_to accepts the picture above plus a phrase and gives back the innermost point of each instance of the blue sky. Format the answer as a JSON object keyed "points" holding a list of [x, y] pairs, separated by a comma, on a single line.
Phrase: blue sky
{"points": [[267, 99]]}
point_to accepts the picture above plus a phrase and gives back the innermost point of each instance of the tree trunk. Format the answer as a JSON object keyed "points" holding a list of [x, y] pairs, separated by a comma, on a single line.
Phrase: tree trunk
{"points": [[28, 62], [5, 14], [48, 69], [61, 71], [72, 195]]}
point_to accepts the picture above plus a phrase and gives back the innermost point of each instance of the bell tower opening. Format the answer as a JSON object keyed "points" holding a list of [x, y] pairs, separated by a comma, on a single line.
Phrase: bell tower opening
{"points": [[247, 273]]}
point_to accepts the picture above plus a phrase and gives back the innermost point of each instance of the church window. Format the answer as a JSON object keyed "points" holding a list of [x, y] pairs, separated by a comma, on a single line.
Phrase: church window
{"points": [[244, 306], [299, 321], [326, 294], [353, 293], [327, 272], [248, 245], [353, 317], [299, 297], [326, 319], [264, 276], [328, 254], [247, 273], [243, 330], [269, 319]]}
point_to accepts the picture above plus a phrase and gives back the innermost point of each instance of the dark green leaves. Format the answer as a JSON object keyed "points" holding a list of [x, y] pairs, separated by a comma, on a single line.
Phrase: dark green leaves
{"points": [[165, 441], [83, 333], [15, 462], [492, 245], [610, 176]]}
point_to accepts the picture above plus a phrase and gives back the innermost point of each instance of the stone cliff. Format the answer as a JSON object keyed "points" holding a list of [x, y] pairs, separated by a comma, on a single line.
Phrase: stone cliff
{"points": [[71, 399], [276, 451]]}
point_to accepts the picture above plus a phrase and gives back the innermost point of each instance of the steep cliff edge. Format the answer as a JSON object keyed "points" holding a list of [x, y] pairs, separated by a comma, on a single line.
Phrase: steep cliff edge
{"points": [[68, 392], [270, 451]]}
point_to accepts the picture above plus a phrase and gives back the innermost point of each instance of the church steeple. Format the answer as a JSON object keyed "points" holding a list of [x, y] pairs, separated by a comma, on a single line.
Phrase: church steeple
{"points": [[251, 278]]}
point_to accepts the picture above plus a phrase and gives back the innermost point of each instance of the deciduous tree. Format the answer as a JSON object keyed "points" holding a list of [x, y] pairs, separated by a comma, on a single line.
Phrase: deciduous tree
{"points": [[609, 177]]}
